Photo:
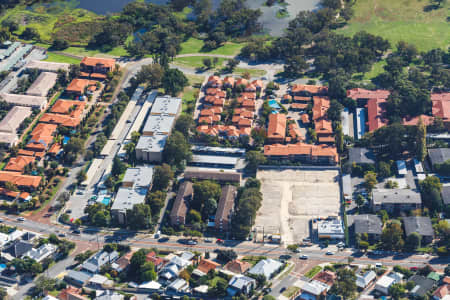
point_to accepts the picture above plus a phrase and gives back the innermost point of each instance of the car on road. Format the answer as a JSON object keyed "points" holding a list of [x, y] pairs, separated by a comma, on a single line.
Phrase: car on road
{"points": [[20, 219], [62, 235], [163, 240], [80, 193], [192, 242], [157, 234], [76, 231], [414, 269], [285, 257], [304, 256], [267, 290], [208, 240], [297, 250], [329, 253], [1, 221], [378, 265], [220, 241], [282, 289]]}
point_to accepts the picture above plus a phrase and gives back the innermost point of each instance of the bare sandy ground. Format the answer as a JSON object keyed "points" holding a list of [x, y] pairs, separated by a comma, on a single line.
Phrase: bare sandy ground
{"points": [[293, 197]]}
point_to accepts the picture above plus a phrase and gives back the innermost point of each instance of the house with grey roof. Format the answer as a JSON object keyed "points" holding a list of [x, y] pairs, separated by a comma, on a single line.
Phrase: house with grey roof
{"points": [[446, 194], [166, 105], [158, 124], [366, 224], [395, 200], [362, 281], [181, 204], [42, 252], [422, 285], [240, 284], [98, 260], [150, 148], [359, 155], [42, 85], [16, 250], [225, 207], [421, 225], [267, 267], [77, 278], [438, 155]]}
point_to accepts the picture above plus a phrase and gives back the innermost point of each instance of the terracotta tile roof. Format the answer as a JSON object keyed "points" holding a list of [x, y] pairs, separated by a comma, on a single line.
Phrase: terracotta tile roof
{"points": [[214, 91], [312, 89], [205, 129], [25, 152], [250, 88], [299, 106], [237, 266], [214, 81], [440, 97], [39, 154], [20, 180], [446, 280], [305, 118], [277, 127], [78, 85], [249, 104], [69, 107], [359, 93], [55, 148], [326, 277], [94, 61], [59, 119], [206, 265], [71, 293], [244, 122], [17, 164], [245, 131], [302, 99], [41, 136], [326, 139], [323, 127], [310, 150], [375, 111], [8, 193], [321, 105], [151, 257], [441, 109], [24, 195], [241, 81], [427, 120], [294, 131], [244, 113], [251, 96], [206, 112], [229, 81], [97, 76], [258, 83], [287, 97], [219, 102]]}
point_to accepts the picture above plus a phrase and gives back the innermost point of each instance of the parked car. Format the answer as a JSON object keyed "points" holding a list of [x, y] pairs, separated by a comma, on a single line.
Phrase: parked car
{"points": [[76, 231], [329, 253], [62, 235], [219, 241], [163, 239], [207, 240], [378, 265], [20, 219], [285, 257], [304, 256], [192, 242]]}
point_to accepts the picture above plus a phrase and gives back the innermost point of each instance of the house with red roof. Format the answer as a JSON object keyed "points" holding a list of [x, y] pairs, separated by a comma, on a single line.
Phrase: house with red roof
{"points": [[376, 109], [306, 153], [276, 130], [97, 65]]}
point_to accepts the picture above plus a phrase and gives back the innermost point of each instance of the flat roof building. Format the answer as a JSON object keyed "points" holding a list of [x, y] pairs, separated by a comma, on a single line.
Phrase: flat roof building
{"points": [[47, 66], [330, 229], [42, 85], [359, 155], [158, 124], [214, 175], [213, 161], [150, 148], [125, 199], [140, 176], [24, 100], [14, 118], [207, 150], [396, 199], [166, 106]]}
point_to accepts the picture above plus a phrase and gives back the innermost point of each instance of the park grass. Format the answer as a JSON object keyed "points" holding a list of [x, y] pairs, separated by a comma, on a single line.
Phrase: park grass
{"points": [[406, 20], [59, 58], [195, 61], [252, 72], [48, 20], [311, 273], [253, 260], [291, 291], [193, 45], [377, 69], [82, 51]]}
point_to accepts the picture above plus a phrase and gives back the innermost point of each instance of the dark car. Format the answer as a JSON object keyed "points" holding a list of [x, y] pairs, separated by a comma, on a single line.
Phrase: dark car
{"points": [[76, 231], [285, 257], [163, 239]]}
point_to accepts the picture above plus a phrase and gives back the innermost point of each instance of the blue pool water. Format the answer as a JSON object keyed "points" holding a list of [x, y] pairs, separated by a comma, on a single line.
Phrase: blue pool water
{"points": [[106, 200], [274, 104]]}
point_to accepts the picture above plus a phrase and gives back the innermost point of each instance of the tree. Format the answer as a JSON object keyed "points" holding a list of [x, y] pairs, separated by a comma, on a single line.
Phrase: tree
{"points": [[360, 200], [207, 63], [345, 284], [421, 140], [384, 169], [156, 201], [81, 176], [194, 216], [226, 255], [391, 237], [44, 284], [396, 291], [254, 159], [30, 33], [162, 177], [219, 290], [339, 138], [148, 272], [210, 207], [370, 180], [60, 44], [203, 191], [184, 124], [295, 66], [118, 167], [151, 74], [413, 241], [174, 81], [137, 261], [430, 189], [177, 150], [259, 136], [231, 64], [139, 216]]}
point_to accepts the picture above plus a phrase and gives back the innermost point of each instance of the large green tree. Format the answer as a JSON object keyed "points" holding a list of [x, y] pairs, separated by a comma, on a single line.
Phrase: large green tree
{"points": [[430, 189], [203, 191], [139, 217], [177, 149], [345, 284], [174, 81], [421, 140], [391, 237], [162, 177]]}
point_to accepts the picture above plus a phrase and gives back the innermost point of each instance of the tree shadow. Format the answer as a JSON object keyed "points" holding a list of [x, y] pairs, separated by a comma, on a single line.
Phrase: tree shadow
{"points": [[430, 7]]}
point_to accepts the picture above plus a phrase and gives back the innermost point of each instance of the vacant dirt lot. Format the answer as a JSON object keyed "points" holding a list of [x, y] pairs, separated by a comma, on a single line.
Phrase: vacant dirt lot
{"points": [[293, 197]]}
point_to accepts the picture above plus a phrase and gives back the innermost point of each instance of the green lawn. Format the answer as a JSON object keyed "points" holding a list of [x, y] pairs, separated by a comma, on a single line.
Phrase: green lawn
{"points": [[193, 45], [405, 20], [291, 291], [377, 69], [253, 260], [195, 61], [82, 51], [252, 72], [53, 57], [311, 273]]}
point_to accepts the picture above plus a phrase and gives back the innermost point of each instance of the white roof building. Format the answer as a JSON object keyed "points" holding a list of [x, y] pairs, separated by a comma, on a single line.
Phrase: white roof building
{"points": [[384, 283], [166, 106], [314, 288], [331, 229], [266, 267], [25, 100], [179, 285], [401, 167], [11, 122], [42, 84], [150, 285], [42, 252], [47, 66], [158, 124], [364, 280]]}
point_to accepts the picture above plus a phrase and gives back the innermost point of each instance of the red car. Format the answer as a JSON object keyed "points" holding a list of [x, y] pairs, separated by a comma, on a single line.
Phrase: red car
{"points": [[219, 241], [413, 268]]}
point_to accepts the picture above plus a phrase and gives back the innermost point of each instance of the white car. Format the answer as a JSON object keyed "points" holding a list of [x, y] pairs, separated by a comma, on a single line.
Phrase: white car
{"points": [[329, 253], [304, 256]]}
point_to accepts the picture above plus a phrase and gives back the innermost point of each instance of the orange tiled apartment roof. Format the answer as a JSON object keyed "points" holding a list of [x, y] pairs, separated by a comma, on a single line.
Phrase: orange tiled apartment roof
{"points": [[62, 120], [241, 81], [375, 111], [214, 80], [440, 97], [25, 152], [249, 95], [323, 127], [359, 93], [301, 149], [17, 164], [206, 265], [237, 266], [20, 180], [294, 131], [427, 120], [299, 106], [42, 136], [250, 88], [257, 83], [68, 107], [441, 108], [8, 193], [95, 61], [305, 118], [312, 89], [277, 126], [78, 85], [228, 80], [320, 107]]}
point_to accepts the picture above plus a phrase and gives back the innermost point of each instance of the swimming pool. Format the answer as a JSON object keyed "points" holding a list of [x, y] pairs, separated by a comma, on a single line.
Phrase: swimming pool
{"points": [[274, 104], [104, 200]]}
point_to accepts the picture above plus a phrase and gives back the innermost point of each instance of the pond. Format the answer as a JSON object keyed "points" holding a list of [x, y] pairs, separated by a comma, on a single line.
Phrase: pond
{"points": [[272, 23]]}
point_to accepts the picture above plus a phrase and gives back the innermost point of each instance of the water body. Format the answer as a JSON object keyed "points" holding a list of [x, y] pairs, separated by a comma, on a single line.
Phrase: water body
{"points": [[271, 23]]}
